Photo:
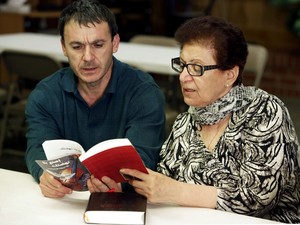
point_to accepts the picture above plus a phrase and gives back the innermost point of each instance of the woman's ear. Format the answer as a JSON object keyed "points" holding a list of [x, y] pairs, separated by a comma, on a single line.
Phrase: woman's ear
{"points": [[232, 75]]}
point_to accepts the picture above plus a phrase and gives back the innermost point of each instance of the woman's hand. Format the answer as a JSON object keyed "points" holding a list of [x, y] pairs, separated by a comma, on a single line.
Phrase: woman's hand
{"points": [[154, 186], [158, 188]]}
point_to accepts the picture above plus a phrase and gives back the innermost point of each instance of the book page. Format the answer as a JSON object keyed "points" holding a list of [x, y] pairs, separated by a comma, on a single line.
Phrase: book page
{"points": [[60, 147], [105, 145]]}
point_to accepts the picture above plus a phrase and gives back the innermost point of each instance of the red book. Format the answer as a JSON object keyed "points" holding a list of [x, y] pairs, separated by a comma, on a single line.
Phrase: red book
{"points": [[68, 162]]}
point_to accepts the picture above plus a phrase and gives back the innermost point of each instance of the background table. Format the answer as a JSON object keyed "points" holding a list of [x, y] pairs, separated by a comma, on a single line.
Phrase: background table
{"points": [[150, 58], [21, 202]]}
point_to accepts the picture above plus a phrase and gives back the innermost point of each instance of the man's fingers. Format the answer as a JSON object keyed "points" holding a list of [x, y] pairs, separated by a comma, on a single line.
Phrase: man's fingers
{"points": [[51, 187], [99, 186]]}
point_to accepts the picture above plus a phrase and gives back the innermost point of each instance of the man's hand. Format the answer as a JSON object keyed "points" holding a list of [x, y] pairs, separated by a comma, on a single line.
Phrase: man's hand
{"points": [[51, 187], [104, 185]]}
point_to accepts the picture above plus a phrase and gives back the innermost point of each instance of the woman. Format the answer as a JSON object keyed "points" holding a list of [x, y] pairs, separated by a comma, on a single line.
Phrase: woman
{"points": [[235, 149]]}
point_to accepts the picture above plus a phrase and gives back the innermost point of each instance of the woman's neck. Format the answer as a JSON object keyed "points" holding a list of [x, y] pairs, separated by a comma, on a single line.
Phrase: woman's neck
{"points": [[210, 134]]}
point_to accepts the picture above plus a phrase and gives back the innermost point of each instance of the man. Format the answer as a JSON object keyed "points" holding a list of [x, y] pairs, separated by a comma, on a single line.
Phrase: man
{"points": [[95, 99]]}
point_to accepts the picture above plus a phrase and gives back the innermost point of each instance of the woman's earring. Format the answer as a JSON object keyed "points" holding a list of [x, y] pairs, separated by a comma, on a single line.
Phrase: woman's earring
{"points": [[226, 85]]}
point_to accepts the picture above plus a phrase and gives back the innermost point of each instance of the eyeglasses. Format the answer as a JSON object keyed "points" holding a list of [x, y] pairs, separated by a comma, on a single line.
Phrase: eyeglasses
{"points": [[193, 69]]}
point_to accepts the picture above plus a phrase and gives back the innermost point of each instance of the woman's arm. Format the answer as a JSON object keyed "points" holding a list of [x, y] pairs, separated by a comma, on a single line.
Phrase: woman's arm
{"points": [[158, 188]]}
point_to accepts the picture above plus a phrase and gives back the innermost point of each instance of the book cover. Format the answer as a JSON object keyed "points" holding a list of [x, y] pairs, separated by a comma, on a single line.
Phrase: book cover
{"points": [[116, 208], [68, 170], [68, 162]]}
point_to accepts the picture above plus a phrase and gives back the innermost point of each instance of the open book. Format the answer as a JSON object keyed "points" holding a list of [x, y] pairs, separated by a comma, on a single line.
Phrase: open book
{"points": [[68, 162]]}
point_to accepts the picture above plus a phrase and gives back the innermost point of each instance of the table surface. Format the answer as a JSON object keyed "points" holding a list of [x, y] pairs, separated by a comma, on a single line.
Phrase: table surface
{"points": [[150, 58], [22, 203]]}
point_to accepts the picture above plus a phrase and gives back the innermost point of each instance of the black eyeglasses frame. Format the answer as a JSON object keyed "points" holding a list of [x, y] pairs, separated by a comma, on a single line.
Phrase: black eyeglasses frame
{"points": [[203, 68]]}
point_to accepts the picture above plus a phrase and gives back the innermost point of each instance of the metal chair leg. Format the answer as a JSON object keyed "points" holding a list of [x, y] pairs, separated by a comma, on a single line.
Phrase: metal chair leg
{"points": [[5, 116]]}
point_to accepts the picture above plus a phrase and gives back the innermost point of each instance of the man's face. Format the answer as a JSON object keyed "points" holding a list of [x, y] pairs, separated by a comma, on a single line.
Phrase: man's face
{"points": [[89, 50]]}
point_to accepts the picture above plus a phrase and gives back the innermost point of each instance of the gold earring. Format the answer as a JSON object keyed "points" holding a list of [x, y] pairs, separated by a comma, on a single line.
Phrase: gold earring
{"points": [[226, 85]]}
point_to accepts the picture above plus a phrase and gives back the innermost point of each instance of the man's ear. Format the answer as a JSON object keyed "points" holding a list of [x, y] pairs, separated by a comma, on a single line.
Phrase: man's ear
{"points": [[63, 47], [116, 42]]}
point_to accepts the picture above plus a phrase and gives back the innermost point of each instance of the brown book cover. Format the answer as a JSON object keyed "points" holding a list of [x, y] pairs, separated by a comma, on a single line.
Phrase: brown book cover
{"points": [[116, 208]]}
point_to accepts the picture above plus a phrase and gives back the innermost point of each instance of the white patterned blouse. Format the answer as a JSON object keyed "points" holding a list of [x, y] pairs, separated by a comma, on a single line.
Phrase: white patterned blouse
{"points": [[255, 164]]}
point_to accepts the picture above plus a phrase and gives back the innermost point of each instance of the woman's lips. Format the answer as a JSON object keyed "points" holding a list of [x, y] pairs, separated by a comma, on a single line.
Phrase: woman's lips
{"points": [[188, 90]]}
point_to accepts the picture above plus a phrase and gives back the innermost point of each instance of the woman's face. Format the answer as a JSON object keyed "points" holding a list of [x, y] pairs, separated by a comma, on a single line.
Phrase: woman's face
{"points": [[200, 91]]}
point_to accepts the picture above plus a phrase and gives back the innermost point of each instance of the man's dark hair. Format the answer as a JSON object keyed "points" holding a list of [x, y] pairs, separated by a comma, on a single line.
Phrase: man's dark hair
{"points": [[86, 12]]}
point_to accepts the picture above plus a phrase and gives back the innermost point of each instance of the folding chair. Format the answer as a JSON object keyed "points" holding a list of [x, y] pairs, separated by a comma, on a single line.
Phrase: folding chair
{"points": [[170, 88], [25, 70], [256, 61]]}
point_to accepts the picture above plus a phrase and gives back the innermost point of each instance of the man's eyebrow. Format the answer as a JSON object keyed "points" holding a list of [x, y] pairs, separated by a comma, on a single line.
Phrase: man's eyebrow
{"points": [[83, 43], [75, 42], [97, 41]]}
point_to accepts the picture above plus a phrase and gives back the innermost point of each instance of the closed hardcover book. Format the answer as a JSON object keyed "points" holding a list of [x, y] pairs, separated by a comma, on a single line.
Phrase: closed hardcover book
{"points": [[116, 208]]}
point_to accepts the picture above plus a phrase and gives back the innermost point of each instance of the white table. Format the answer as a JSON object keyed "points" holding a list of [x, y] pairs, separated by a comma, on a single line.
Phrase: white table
{"points": [[150, 58], [21, 202]]}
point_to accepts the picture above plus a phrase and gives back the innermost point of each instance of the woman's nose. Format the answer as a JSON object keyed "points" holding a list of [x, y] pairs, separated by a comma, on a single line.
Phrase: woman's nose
{"points": [[184, 75]]}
